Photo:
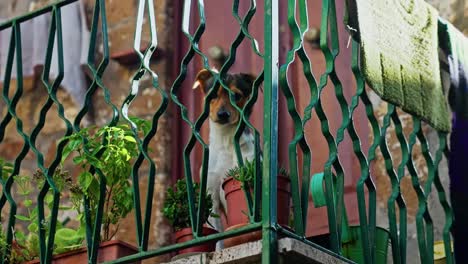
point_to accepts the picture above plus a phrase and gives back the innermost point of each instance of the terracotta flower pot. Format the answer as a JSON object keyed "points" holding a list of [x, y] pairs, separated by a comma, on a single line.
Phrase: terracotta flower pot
{"points": [[186, 234], [109, 250], [241, 239], [237, 210]]}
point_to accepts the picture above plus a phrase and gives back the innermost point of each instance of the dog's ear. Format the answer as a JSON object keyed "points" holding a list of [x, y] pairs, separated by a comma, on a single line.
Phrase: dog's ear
{"points": [[246, 82], [249, 78], [203, 80]]}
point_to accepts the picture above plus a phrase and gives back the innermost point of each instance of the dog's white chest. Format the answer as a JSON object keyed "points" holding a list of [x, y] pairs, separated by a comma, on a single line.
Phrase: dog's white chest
{"points": [[223, 158]]}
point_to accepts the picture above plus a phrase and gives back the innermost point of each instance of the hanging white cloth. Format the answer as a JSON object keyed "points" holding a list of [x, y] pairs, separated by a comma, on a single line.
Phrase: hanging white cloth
{"points": [[34, 35]]}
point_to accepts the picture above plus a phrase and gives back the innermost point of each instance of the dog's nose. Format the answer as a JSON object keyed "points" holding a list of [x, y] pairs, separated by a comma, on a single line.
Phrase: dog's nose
{"points": [[223, 115]]}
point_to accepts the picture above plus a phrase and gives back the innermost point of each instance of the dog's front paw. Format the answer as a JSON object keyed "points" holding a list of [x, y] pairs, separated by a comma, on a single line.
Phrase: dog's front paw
{"points": [[220, 245]]}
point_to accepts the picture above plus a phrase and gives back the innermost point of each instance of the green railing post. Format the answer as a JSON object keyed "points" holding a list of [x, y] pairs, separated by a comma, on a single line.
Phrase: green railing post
{"points": [[270, 133]]}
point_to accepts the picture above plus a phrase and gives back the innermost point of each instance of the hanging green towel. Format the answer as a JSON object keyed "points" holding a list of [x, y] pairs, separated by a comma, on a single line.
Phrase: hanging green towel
{"points": [[400, 55]]}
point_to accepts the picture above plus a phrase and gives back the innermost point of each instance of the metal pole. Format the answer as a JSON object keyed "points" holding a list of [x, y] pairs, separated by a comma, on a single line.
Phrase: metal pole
{"points": [[270, 132]]}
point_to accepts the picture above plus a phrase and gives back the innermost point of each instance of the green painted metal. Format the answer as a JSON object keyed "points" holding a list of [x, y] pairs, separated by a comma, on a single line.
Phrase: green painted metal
{"points": [[15, 45], [274, 77], [143, 225], [252, 202], [299, 197], [174, 247], [46, 250], [270, 133], [329, 44], [36, 13], [443, 148], [93, 230], [398, 237], [367, 220], [195, 126]]}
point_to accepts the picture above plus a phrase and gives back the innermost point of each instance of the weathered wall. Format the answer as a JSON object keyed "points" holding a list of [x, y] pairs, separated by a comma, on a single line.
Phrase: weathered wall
{"points": [[456, 11], [121, 27]]}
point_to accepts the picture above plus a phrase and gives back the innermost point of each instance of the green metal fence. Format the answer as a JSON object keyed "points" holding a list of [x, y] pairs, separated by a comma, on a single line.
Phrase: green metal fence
{"points": [[274, 79]]}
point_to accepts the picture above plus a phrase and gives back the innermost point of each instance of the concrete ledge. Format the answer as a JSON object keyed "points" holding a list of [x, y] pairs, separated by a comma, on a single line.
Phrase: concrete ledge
{"points": [[290, 251]]}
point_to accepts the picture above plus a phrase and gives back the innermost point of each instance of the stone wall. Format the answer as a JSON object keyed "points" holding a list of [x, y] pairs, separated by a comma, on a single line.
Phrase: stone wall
{"points": [[455, 11], [121, 18]]}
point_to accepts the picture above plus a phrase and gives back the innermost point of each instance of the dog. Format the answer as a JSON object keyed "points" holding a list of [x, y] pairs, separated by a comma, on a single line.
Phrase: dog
{"points": [[223, 120]]}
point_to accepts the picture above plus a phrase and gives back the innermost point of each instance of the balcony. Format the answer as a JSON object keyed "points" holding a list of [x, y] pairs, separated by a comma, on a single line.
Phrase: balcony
{"points": [[362, 178]]}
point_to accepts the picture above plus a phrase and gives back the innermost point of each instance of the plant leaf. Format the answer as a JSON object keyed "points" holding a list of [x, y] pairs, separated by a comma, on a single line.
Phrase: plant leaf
{"points": [[130, 139], [27, 202], [85, 179], [33, 228], [22, 218], [78, 159]]}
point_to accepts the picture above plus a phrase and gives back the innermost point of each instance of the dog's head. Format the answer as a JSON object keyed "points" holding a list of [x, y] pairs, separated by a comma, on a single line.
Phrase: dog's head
{"points": [[221, 109]]}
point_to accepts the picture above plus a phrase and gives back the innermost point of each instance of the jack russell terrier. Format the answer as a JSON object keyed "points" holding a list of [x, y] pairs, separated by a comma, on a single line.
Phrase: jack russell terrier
{"points": [[223, 122]]}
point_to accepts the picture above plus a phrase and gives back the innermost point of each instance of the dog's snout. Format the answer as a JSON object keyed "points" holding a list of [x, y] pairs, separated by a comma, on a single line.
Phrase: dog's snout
{"points": [[223, 115]]}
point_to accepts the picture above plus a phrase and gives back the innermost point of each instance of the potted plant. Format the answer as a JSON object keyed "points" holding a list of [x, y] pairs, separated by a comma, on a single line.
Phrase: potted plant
{"points": [[239, 180], [176, 210], [109, 150]]}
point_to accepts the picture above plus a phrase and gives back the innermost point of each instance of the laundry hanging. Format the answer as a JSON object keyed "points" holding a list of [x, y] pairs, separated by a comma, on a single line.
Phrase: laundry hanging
{"points": [[34, 35]]}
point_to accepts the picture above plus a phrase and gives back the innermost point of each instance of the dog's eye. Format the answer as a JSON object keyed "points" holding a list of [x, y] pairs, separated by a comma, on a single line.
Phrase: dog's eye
{"points": [[237, 97]]}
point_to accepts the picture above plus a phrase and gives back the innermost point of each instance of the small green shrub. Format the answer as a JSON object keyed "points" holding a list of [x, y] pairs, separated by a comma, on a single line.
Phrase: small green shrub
{"points": [[176, 206], [246, 173]]}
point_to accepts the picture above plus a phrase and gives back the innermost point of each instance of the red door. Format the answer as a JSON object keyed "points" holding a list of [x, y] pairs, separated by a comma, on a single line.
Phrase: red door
{"points": [[221, 30]]}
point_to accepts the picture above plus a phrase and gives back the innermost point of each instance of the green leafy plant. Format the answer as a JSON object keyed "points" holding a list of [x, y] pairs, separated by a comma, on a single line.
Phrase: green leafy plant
{"points": [[176, 207], [6, 168], [106, 152], [109, 151], [246, 173], [15, 255], [26, 243], [3, 239]]}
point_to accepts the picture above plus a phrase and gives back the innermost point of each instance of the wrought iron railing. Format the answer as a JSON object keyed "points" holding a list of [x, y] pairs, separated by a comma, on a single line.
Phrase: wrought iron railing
{"points": [[274, 78]]}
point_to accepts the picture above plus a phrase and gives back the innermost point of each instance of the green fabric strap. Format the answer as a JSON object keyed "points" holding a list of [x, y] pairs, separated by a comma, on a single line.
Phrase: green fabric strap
{"points": [[318, 195]]}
